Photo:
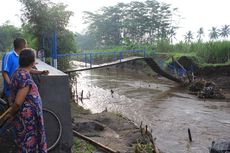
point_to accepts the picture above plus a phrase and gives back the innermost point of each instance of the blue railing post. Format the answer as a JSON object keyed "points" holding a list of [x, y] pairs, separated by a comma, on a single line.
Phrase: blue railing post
{"points": [[161, 64], [121, 56], [175, 68], [85, 60], [144, 53], [51, 50], [43, 42], [91, 59], [55, 50], [115, 56]]}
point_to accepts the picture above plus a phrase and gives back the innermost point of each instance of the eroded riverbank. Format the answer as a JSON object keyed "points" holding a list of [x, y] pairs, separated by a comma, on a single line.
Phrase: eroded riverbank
{"points": [[163, 105], [112, 131]]}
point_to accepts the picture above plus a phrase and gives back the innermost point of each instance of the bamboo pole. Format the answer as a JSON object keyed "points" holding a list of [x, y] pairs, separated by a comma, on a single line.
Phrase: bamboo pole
{"points": [[103, 147], [5, 113], [2, 117]]}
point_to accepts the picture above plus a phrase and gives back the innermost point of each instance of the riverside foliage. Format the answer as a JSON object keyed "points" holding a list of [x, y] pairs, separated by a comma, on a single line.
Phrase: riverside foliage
{"points": [[148, 25]]}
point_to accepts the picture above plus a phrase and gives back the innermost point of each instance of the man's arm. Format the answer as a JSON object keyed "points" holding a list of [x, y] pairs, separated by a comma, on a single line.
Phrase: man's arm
{"points": [[6, 77], [6, 64], [34, 71]]}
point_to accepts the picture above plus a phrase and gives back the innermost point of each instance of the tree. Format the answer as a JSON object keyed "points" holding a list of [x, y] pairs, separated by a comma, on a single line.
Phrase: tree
{"points": [[44, 18], [200, 34], [140, 22], [153, 22], [224, 31], [105, 26], [213, 33], [85, 41], [172, 34], [8, 33], [188, 37]]}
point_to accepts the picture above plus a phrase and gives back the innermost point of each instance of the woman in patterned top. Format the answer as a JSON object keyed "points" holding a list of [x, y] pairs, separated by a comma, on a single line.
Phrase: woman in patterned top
{"points": [[26, 110]]}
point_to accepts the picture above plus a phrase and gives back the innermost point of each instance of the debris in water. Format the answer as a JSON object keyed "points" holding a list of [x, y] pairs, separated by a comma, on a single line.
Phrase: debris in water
{"points": [[81, 98], [206, 89], [220, 146], [189, 135], [112, 92]]}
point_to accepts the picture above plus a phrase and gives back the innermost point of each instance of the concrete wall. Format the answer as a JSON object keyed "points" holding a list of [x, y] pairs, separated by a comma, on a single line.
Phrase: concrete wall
{"points": [[55, 93]]}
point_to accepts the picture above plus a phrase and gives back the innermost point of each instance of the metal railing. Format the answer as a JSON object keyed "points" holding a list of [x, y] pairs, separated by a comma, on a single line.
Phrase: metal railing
{"points": [[88, 57]]}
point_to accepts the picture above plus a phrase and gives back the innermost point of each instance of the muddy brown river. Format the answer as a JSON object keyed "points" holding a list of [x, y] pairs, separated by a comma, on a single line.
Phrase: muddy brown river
{"points": [[161, 104]]}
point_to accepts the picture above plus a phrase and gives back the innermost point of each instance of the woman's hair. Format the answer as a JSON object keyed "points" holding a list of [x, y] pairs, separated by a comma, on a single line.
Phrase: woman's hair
{"points": [[26, 57]]}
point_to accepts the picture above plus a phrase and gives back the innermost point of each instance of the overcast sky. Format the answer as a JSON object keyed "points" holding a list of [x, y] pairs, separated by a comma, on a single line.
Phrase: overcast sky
{"points": [[195, 13]]}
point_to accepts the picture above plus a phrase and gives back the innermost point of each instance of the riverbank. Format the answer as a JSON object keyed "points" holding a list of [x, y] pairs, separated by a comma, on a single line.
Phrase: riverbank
{"points": [[163, 105], [219, 74], [112, 130]]}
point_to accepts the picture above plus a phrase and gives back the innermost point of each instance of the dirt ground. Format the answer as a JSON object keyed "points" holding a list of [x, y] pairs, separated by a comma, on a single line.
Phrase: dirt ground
{"points": [[109, 129]]}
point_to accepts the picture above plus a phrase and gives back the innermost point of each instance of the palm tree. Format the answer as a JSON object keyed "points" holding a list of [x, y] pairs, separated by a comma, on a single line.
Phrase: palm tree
{"points": [[188, 37], [172, 34], [224, 31], [200, 34], [213, 33]]}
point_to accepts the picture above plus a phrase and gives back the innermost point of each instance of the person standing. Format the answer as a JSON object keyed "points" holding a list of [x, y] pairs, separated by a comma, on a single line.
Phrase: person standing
{"points": [[10, 63], [26, 110]]}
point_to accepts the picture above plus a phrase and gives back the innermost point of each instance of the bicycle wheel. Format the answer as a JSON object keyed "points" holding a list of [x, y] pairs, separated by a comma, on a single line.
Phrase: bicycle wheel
{"points": [[53, 128]]}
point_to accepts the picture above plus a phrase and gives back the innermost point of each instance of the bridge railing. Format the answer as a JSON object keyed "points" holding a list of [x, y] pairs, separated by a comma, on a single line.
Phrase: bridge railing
{"points": [[122, 53], [102, 57]]}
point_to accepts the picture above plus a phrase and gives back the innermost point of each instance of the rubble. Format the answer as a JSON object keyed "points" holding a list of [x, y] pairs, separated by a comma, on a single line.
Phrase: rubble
{"points": [[206, 89], [220, 146]]}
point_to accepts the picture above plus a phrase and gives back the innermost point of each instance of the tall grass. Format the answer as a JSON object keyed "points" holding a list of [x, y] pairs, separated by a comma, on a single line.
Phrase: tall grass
{"points": [[215, 52], [209, 52], [212, 52]]}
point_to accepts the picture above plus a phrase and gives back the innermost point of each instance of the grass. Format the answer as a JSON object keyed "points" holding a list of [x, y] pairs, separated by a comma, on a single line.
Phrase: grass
{"points": [[81, 146], [77, 109], [177, 55], [212, 52], [142, 148], [215, 65], [118, 114]]}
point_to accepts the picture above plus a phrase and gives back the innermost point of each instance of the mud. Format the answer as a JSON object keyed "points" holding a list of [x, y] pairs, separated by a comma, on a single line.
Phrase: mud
{"points": [[111, 130], [167, 108], [222, 70]]}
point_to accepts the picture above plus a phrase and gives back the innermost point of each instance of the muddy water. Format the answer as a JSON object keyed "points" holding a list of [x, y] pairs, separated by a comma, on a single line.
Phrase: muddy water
{"points": [[161, 104]]}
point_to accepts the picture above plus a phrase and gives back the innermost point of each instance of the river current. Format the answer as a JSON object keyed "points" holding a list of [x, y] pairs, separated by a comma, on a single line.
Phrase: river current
{"points": [[161, 104]]}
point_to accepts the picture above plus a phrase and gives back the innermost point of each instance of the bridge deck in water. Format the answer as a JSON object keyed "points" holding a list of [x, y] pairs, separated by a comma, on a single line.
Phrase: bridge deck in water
{"points": [[149, 61]]}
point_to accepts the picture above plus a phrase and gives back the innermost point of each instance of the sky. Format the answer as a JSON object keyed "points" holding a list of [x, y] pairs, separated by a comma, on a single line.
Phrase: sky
{"points": [[194, 13]]}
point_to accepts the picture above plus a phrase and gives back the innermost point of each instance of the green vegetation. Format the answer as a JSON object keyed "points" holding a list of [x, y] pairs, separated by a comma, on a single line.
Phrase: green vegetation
{"points": [[124, 27], [137, 22], [9, 32], [41, 18], [81, 146], [212, 52], [148, 25], [77, 109], [143, 148], [208, 52]]}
